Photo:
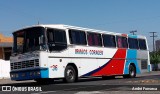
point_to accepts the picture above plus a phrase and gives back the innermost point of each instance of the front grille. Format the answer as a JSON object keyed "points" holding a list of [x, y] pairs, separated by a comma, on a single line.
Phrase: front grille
{"points": [[25, 64]]}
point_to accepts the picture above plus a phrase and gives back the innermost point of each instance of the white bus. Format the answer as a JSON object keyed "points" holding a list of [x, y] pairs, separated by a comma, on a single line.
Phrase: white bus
{"points": [[61, 51]]}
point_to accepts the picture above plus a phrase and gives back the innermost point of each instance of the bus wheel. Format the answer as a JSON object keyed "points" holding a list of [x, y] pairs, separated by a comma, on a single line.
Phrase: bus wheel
{"points": [[70, 74], [132, 72]]}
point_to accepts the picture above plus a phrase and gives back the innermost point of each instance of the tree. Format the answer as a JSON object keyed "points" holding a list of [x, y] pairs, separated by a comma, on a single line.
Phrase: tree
{"points": [[155, 59]]}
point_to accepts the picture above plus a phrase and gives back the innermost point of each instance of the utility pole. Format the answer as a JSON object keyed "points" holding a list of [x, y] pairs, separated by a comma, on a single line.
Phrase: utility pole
{"points": [[133, 32], [153, 35]]}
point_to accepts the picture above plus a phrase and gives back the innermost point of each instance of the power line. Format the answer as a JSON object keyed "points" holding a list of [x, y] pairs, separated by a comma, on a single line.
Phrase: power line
{"points": [[153, 35]]}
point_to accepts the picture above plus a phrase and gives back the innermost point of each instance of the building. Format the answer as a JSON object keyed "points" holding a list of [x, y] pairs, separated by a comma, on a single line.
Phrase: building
{"points": [[157, 45], [5, 52], [5, 47]]}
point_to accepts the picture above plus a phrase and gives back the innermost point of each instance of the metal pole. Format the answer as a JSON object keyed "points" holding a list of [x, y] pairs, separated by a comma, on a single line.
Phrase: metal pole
{"points": [[133, 32], [153, 35]]}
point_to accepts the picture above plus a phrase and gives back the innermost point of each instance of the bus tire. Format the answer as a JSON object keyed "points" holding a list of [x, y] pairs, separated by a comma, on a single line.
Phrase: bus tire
{"points": [[70, 74], [132, 72]]}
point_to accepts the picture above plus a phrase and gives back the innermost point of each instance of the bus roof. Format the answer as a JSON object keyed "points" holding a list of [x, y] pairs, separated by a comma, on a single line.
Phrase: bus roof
{"points": [[62, 26]]}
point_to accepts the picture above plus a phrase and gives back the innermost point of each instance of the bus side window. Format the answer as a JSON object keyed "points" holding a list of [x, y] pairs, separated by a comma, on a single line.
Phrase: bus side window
{"points": [[97, 39], [77, 37], [142, 44], [121, 42], [133, 43], [109, 40], [56, 39], [90, 40], [50, 35], [60, 37], [124, 42], [94, 39]]}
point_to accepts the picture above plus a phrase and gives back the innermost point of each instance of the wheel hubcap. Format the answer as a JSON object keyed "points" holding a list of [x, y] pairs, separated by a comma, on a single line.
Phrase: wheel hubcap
{"points": [[70, 74], [132, 72]]}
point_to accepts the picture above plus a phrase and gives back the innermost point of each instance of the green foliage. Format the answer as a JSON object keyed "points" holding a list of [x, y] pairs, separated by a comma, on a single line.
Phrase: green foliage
{"points": [[155, 58]]}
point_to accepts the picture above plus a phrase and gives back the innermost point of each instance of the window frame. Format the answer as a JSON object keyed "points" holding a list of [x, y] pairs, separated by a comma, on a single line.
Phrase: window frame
{"points": [[99, 41], [80, 31], [115, 45], [54, 45], [137, 43], [140, 46], [122, 42], [65, 42]]}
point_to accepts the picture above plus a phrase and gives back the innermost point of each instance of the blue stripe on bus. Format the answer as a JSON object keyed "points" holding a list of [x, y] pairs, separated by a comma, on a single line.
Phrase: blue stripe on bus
{"points": [[131, 58], [44, 73], [132, 36]]}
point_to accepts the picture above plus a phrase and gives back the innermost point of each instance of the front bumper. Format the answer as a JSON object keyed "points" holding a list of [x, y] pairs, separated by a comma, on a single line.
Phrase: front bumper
{"points": [[29, 74]]}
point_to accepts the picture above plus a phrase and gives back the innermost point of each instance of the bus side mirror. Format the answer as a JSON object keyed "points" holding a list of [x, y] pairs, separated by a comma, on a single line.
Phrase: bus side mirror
{"points": [[41, 38]]}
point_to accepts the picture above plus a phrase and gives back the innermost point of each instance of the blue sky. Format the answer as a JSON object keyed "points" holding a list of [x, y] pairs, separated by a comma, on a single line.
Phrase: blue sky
{"points": [[111, 15]]}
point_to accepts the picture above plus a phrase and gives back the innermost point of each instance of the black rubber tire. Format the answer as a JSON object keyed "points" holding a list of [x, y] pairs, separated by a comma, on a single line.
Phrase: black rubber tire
{"points": [[70, 74], [132, 72]]}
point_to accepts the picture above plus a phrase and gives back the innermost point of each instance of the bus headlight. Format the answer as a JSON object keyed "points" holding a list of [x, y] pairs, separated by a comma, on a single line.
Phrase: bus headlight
{"points": [[12, 75]]}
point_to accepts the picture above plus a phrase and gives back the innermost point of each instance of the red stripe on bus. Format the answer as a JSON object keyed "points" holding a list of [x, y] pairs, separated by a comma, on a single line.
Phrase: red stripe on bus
{"points": [[114, 66]]}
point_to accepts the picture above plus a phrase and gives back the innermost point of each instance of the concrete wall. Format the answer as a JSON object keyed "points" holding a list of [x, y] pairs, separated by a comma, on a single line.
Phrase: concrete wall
{"points": [[4, 65], [4, 69]]}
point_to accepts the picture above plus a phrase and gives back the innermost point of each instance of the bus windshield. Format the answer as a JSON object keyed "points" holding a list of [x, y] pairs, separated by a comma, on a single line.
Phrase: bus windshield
{"points": [[30, 39]]}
